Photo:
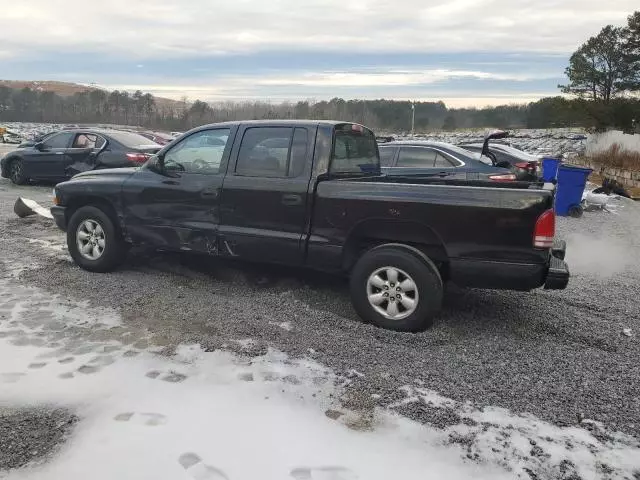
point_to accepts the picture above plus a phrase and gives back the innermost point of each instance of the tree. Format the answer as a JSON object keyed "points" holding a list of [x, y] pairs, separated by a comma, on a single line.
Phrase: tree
{"points": [[631, 38], [599, 69], [449, 122], [5, 98]]}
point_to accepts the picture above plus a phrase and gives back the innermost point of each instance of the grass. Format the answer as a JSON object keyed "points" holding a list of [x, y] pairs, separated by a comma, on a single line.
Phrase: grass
{"points": [[617, 157]]}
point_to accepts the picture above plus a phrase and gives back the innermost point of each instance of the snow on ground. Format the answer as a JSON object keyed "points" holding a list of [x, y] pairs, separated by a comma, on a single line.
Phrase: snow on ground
{"points": [[205, 415], [216, 415]]}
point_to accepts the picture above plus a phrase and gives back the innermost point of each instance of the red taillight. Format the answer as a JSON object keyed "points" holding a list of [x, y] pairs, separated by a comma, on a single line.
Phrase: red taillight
{"points": [[545, 230], [508, 177], [138, 157]]}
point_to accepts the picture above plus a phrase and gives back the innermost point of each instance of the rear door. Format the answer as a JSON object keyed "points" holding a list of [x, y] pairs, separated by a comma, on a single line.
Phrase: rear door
{"points": [[50, 161], [82, 154], [424, 161], [264, 198]]}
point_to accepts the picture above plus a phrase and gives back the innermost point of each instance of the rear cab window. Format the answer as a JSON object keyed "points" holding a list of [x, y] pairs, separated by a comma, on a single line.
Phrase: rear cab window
{"points": [[355, 150]]}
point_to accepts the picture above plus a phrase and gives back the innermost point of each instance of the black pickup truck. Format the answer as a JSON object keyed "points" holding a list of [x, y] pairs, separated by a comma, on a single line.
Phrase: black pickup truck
{"points": [[310, 193]]}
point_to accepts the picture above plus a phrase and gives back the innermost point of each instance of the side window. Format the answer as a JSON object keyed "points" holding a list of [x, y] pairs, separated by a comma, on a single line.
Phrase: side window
{"points": [[61, 140], [198, 153], [416, 157], [299, 147], [264, 152], [88, 140], [386, 156], [442, 161]]}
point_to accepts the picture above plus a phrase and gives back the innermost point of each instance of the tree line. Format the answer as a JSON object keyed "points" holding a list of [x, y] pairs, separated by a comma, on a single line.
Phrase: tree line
{"points": [[603, 87]]}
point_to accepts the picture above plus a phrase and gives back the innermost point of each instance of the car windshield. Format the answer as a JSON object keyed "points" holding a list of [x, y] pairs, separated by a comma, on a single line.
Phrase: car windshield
{"points": [[131, 140], [354, 150]]}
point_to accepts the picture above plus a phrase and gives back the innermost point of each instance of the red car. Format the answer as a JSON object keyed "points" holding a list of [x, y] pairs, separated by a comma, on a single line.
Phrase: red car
{"points": [[158, 137]]}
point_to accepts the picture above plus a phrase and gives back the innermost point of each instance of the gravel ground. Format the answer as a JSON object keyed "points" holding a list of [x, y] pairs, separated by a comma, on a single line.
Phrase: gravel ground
{"points": [[561, 356], [28, 435]]}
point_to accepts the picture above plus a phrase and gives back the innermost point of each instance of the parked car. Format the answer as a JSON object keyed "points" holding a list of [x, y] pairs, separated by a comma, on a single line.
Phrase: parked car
{"points": [[311, 193], [158, 137], [443, 160], [525, 166], [7, 136], [65, 153]]}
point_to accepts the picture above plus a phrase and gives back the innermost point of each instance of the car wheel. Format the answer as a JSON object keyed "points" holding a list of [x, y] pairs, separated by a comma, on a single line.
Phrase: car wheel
{"points": [[94, 241], [396, 287], [576, 211], [16, 172]]}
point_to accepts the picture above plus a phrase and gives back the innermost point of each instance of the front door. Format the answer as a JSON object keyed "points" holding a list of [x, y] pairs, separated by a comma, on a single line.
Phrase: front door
{"points": [[264, 199], [50, 160], [178, 209]]}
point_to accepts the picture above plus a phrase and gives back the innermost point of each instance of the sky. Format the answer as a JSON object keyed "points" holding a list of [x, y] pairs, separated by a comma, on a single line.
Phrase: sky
{"points": [[464, 52]]}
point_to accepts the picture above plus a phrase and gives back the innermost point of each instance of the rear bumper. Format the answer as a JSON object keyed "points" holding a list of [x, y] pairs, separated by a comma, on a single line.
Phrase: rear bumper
{"points": [[60, 217], [558, 274], [513, 276]]}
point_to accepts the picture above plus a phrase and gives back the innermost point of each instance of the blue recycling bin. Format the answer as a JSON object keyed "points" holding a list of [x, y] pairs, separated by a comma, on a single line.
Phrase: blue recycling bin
{"points": [[550, 168], [569, 189]]}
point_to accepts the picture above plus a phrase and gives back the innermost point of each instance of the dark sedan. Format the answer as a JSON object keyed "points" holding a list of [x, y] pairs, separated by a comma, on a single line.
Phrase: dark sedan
{"points": [[524, 165], [62, 155], [435, 159]]}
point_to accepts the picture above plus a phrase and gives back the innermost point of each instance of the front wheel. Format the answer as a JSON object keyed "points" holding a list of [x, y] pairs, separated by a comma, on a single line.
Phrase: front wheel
{"points": [[396, 287], [94, 241], [16, 172]]}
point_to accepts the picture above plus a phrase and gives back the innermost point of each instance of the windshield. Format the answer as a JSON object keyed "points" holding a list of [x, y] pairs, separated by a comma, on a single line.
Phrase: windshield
{"points": [[354, 150], [132, 140]]}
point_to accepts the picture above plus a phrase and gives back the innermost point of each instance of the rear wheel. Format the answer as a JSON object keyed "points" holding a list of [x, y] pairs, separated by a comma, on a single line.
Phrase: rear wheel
{"points": [[94, 241], [396, 287], [576, 211], [16, 172]]}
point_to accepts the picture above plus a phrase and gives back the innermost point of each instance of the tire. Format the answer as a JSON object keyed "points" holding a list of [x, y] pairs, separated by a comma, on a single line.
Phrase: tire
{"points": [[16, 172], [113, 245], [409, 264], [576, 211]]}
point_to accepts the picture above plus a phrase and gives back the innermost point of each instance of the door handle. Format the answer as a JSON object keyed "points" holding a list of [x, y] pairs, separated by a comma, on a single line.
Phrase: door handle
{"points": [[170, 182], [291, 200]]}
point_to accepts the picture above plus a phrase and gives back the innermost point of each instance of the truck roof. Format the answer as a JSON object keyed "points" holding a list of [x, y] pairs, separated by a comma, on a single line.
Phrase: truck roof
{"points": [[278, 123]]}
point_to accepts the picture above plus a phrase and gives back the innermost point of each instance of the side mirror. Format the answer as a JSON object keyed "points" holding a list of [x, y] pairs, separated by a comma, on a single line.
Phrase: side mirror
{"points": [[156, 164], [39, 146]]}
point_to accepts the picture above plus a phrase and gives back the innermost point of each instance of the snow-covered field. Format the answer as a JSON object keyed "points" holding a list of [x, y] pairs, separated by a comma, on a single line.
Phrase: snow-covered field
{"points": [[554, 141], [223, 416], [558, 141]]}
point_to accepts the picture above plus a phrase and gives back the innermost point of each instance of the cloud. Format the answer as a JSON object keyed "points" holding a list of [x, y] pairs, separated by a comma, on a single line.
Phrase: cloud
{"points": [[288, 49], [165, 28]]}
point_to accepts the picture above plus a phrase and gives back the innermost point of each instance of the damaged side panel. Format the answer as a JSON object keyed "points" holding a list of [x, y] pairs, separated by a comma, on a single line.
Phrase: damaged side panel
{"points": [[180, 213]]}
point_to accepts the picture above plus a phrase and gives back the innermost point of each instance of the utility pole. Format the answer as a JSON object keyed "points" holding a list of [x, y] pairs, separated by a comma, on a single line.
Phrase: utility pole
{"points": [[413, 118]]}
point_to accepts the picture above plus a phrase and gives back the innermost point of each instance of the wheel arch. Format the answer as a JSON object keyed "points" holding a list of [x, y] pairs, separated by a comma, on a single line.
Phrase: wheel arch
{"points": [[415, 236], [88, 200]]}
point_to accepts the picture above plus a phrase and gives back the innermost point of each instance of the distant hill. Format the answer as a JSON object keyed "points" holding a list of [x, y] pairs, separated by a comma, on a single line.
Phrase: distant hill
{"points": [[66, 89]]}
